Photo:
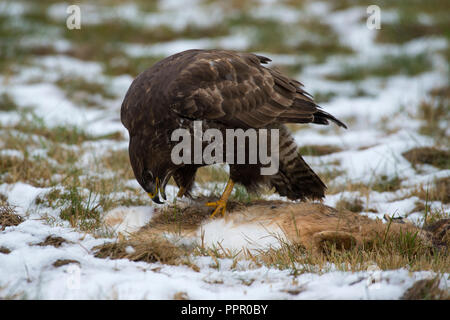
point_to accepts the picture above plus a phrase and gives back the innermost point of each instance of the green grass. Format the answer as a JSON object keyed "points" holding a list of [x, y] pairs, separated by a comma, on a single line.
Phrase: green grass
{"points": [[408, 27], [80, 211], [387, 66], [433, 113], [31, 124], [318, 150], [81, 200], [321, 97], [79, 205], [437, 190], [83, 91], [404, 31], [240, 194], [270, 35], [386, 184], [120, 31], [10, 53], [353, 204]]}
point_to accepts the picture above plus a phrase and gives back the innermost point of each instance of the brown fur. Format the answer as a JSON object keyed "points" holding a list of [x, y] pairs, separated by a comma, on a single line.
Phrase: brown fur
{"points": [[312, 225]]}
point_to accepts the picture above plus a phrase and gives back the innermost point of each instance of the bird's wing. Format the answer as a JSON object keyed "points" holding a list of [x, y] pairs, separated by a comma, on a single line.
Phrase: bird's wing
{"points": [[235, 89]]}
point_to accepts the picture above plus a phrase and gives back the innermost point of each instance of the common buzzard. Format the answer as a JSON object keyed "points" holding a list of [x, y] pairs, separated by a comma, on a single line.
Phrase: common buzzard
{"points": [[224, 90]]}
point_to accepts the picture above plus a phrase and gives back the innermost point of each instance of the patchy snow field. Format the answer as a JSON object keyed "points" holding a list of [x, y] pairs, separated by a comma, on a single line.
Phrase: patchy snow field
{"points": [[394, 96]]}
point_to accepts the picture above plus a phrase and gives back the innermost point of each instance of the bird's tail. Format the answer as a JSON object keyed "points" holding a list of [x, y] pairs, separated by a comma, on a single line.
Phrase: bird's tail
{"points": [[295, 179]]}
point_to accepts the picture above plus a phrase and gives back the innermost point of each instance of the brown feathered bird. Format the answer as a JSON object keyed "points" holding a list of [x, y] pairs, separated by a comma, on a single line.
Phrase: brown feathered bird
{"points": [[224, 90]]}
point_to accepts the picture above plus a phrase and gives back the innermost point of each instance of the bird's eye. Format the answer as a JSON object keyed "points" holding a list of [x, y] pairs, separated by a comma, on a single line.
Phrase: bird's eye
{"points": [[147, 176]]}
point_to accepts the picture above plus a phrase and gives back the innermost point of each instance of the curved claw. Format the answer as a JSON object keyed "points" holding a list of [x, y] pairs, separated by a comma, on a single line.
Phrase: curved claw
{"points": [[220, 205]]}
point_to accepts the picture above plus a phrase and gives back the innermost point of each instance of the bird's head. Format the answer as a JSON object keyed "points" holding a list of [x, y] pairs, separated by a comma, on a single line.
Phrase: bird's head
{"points": [[153, 185], [148, 170]]}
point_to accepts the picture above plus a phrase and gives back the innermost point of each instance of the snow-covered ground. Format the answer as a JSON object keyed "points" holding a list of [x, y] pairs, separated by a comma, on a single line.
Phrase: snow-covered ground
{"points": [[384, 124], [28, 271]]}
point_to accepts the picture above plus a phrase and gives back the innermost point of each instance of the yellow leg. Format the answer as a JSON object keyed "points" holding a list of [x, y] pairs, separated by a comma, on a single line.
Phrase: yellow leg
{"points": [[181, 192], [221, 204]]}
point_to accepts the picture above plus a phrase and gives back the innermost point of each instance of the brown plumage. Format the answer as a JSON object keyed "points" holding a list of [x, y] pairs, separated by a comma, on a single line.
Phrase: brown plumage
{"points": [[225, 90]]}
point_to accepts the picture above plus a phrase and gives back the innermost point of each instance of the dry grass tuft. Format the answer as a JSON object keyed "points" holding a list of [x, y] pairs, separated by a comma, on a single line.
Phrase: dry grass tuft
{"points": [[441, 92], [433, 113], [438, 191], [8, 217], [37, 172], [146, 248], [7, 103], [426, 289], [353, 205], [440, 231], [64, 155], [180, 295], [5, 250], [118, 162], [386, 184], [53, 241], [428, 155], [62, 262], [442, 189]]}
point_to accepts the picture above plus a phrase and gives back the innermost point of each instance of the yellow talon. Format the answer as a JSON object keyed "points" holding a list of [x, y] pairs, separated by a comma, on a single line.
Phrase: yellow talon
{"points": [[221, 204]]}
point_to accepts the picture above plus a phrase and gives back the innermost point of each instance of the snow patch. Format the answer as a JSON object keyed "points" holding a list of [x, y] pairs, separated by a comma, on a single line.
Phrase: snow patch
{"points": [[237, 236], [125, 220]]}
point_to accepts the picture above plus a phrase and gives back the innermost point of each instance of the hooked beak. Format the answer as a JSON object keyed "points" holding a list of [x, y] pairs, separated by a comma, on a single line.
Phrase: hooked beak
{"points": [[155, 195]]}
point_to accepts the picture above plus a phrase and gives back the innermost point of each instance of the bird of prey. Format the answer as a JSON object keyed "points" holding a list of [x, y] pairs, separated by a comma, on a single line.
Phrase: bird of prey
{"points": [[224, 90]]}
